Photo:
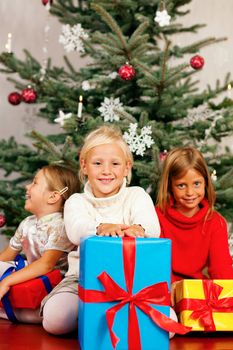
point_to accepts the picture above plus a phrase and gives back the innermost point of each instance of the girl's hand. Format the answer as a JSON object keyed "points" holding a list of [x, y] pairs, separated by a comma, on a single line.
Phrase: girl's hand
{"points": [[4, 288], [135, 231], [173, 293], [113, 230]]}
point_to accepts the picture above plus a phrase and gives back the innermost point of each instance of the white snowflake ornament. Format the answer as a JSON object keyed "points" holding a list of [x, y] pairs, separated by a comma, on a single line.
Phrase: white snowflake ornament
{"points": [[107, 109], [71, 37], [162, 18], [138, 143], [62, 117]]}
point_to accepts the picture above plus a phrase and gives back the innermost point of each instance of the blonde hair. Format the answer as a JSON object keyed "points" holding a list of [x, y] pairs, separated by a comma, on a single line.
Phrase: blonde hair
{"points": [[61, 179], [176, 164], [102, 136]]}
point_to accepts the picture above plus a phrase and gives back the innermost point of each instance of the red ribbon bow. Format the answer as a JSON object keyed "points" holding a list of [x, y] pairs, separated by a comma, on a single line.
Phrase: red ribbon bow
{"points": [[204, 308], [154, 294]]}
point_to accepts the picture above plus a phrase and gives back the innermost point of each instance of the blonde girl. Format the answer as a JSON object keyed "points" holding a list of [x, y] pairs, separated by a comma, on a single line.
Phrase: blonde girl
{"points": [[41, 236], [107, 207]]}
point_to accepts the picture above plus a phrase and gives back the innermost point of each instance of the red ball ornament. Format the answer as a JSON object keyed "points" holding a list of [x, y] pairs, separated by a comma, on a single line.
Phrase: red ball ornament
{"points": [[2, 220], [197, 62], [29, 95], [45, 2], [127, 72], [162, 155], [14, 98]]}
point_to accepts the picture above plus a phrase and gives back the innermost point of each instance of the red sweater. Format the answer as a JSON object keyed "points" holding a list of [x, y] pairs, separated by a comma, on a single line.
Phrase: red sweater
{"points": [[197, 243]]}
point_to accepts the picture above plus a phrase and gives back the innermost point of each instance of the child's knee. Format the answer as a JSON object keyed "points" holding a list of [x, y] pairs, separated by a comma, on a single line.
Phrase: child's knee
{"points": [[60, 314], [173, 316]]}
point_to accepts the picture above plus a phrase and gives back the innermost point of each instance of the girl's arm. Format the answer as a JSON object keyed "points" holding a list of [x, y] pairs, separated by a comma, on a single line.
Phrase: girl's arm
{"points": [[15, 244], [39, 267], [8, 254], [220, 261], [78, 219]]}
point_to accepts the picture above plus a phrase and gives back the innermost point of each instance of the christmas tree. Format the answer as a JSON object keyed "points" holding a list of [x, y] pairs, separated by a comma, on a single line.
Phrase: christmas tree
{"points": [[136, 78]]}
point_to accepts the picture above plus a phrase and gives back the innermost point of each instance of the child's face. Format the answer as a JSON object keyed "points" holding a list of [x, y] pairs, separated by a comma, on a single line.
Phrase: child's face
{"points": [[188, 191], [105, 167], [37, 194]]}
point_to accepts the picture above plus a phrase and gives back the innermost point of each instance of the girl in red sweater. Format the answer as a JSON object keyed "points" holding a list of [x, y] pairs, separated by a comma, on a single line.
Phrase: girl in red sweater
{"points": [[185, 207]]}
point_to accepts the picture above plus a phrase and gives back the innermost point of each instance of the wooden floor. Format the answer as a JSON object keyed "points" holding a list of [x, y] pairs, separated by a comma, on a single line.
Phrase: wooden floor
{"points": [[33, 337]]}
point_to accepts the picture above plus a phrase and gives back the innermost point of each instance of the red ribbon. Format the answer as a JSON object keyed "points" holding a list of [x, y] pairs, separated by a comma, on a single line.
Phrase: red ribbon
{"points": [[154, 294], [204, 308]]}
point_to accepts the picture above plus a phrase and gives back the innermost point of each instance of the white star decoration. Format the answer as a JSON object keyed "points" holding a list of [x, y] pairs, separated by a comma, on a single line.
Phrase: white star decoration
{"points": [[62, 117], [162, 18]]}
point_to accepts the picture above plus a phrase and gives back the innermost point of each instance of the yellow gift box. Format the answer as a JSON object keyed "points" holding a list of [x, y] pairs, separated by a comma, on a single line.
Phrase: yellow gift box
{"points": [[205, 305]]}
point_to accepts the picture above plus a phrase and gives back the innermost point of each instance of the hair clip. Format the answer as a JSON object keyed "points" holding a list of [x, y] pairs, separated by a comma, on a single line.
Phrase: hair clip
{"points": [[63, 190]]}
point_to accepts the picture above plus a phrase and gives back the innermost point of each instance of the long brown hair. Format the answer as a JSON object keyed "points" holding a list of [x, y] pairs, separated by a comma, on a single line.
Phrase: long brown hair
{"points": [[177, 162]]}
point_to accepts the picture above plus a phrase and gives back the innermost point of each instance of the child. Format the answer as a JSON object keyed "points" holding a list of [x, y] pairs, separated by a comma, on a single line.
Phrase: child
{"points": [[42, 236], [106, 208], [185, 207]]}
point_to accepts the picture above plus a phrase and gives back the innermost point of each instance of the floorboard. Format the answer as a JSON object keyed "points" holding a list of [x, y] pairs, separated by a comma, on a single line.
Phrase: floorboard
{"points": [[33, 337]]}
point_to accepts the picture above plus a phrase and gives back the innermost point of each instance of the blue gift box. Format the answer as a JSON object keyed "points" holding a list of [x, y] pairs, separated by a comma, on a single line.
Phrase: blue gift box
{"points": [[152, 266]]}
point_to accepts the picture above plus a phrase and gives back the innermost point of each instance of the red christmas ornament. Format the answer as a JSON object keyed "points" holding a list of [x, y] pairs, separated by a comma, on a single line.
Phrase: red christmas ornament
{"points": [[2, 220], [162, 155], [197, 62], [126, 72], [14, 98], [45, 2], [29, 95]]}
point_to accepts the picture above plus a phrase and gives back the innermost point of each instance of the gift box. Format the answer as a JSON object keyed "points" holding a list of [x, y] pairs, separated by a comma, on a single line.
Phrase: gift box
{"points": [[124, 293], [29, 294], [205, 305]]}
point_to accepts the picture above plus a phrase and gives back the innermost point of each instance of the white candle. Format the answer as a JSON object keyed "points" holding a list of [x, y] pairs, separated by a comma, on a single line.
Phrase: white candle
{"points": [[229, 88], [8, 44], [80, 106]]}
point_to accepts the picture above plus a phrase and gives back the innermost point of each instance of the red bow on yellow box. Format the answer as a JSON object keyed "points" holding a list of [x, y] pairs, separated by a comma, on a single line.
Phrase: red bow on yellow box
{"points": [[205, 311]]}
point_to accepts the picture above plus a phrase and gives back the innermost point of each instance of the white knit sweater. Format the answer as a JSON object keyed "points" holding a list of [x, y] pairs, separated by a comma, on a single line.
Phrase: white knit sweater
{"points": [[83, 213]]}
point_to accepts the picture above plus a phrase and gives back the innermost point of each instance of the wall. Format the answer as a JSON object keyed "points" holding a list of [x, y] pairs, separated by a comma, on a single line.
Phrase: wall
{"points": [[26, 20]]}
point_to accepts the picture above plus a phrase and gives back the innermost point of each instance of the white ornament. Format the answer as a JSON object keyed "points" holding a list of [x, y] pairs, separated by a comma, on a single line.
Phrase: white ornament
{"points": [[42, 73], [113, 75], [162, 18], [107, 109], [47, 6], [200, 113], [62, 117], [138, 143], [86, 85], [71, 37]]}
